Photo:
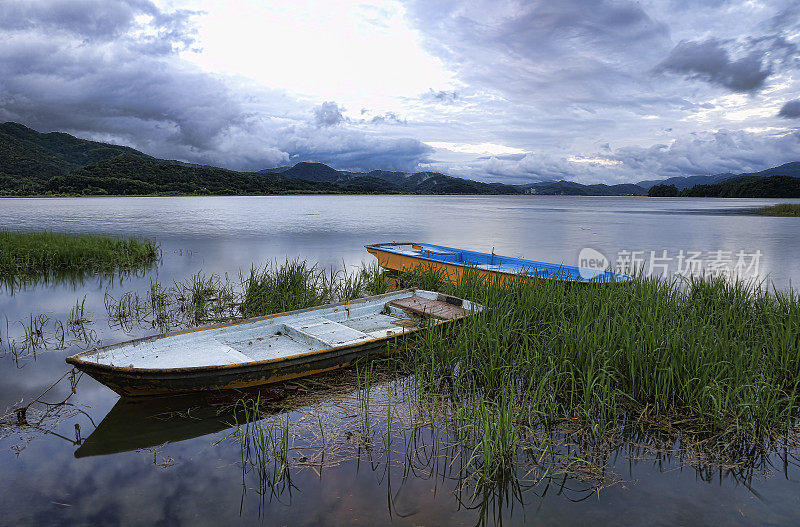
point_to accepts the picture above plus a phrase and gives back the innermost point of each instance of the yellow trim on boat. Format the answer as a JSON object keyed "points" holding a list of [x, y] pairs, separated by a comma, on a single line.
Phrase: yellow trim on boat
{"points": [[401, 262]]}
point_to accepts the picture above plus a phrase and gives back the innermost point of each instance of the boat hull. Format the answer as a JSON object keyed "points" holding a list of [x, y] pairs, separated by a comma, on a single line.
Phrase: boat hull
{"points": [[390, 259], [138, 382], [451, 272]]}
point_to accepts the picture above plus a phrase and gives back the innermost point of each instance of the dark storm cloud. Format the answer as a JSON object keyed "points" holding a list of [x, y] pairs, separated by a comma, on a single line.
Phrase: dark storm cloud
{"points": [[96, 19], [710, 61], [109, 70], [54, 74], [128, 94], [352, 150], [572, 50], [712, 153], [790, 110], [567, 80], [91, 18]]}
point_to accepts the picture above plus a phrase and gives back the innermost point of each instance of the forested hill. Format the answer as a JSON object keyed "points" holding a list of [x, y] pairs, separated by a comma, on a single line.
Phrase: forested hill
{"points": [[127, 174], [749, 187], [383, 180], [26, 153], [787, 169]]}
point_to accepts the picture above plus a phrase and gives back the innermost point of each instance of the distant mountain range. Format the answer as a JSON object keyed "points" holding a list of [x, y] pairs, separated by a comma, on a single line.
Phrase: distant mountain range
{"points": [[382, 180], [570, 188], [787, 169], [34, 163]]}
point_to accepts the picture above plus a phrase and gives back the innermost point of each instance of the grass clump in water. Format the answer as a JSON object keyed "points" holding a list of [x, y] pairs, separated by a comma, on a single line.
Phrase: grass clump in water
{"points": [[782, 209], [272, 288], [29, 256], [710, 358]]}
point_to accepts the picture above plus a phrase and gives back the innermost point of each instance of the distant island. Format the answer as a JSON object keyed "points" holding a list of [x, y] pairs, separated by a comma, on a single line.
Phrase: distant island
{"points": [[59, 164]]}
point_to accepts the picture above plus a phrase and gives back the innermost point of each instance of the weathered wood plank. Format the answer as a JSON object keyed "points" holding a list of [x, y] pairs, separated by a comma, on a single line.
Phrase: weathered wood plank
{"points": [[430, 308]]}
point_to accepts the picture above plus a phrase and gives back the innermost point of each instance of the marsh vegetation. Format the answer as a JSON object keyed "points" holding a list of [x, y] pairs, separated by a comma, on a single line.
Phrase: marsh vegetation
{"points": [[716, 356], [554, 377], [45, 256], [781, 209], [552, 381]]}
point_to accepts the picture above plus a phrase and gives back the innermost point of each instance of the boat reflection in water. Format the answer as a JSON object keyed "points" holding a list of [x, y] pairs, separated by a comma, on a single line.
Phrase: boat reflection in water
{"points": [[136, 423]]}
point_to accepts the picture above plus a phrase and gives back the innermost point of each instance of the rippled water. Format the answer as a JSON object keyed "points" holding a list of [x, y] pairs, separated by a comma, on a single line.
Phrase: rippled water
{"points": [[199, 482]]}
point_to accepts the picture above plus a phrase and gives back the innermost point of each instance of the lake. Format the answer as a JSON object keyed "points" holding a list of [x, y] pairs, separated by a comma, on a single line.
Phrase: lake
{"points": [[192, 474]]}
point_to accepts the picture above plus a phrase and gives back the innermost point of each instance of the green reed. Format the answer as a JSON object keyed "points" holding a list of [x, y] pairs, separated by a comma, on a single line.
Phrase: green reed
{"points": [[199, 298], [30, 256], [554, 375], [781, 209], [265, 446], [275, 288], [715, 356]]}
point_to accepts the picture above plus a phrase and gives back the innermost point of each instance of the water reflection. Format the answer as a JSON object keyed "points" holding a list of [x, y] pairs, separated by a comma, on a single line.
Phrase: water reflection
{"points": [[76, 280], [187, 468], [328, 433], [141, 423], [345, 460]]}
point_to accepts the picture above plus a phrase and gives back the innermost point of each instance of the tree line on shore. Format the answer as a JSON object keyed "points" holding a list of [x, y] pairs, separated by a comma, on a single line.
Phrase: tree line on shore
{"points": [[738, 187]]}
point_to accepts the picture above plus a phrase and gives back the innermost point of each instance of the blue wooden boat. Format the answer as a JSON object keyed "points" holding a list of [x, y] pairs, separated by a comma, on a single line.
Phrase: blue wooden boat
{"points": [[452, 262]]}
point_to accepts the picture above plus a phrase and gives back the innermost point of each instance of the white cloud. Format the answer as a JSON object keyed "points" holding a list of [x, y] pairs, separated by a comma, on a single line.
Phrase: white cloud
{"points": [[600, 161], [490, 149], [359, 53]]}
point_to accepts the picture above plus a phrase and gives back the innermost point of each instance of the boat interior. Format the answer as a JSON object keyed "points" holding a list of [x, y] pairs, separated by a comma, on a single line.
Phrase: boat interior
{"points": [[287, 335]]}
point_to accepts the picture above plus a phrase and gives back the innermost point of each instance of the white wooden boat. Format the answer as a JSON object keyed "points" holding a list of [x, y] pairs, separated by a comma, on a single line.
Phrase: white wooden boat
{"points": [[267, 349]]}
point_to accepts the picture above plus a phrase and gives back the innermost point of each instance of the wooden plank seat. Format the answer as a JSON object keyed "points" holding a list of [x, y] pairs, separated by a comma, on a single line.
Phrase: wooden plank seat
{"points": [[439, 308]]}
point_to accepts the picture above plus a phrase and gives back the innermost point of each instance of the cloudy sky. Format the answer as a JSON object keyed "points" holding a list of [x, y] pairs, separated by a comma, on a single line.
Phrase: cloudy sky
{"points": [[586, 90]]}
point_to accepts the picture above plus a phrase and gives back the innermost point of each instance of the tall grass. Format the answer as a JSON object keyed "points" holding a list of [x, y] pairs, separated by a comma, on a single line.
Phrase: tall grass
{"points": [[26, 256], [720, 358], [295, 284], [272, 288]]}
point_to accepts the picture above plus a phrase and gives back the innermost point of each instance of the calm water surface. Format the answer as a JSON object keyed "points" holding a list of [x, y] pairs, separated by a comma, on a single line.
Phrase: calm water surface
{"points": [[196, 481]]}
